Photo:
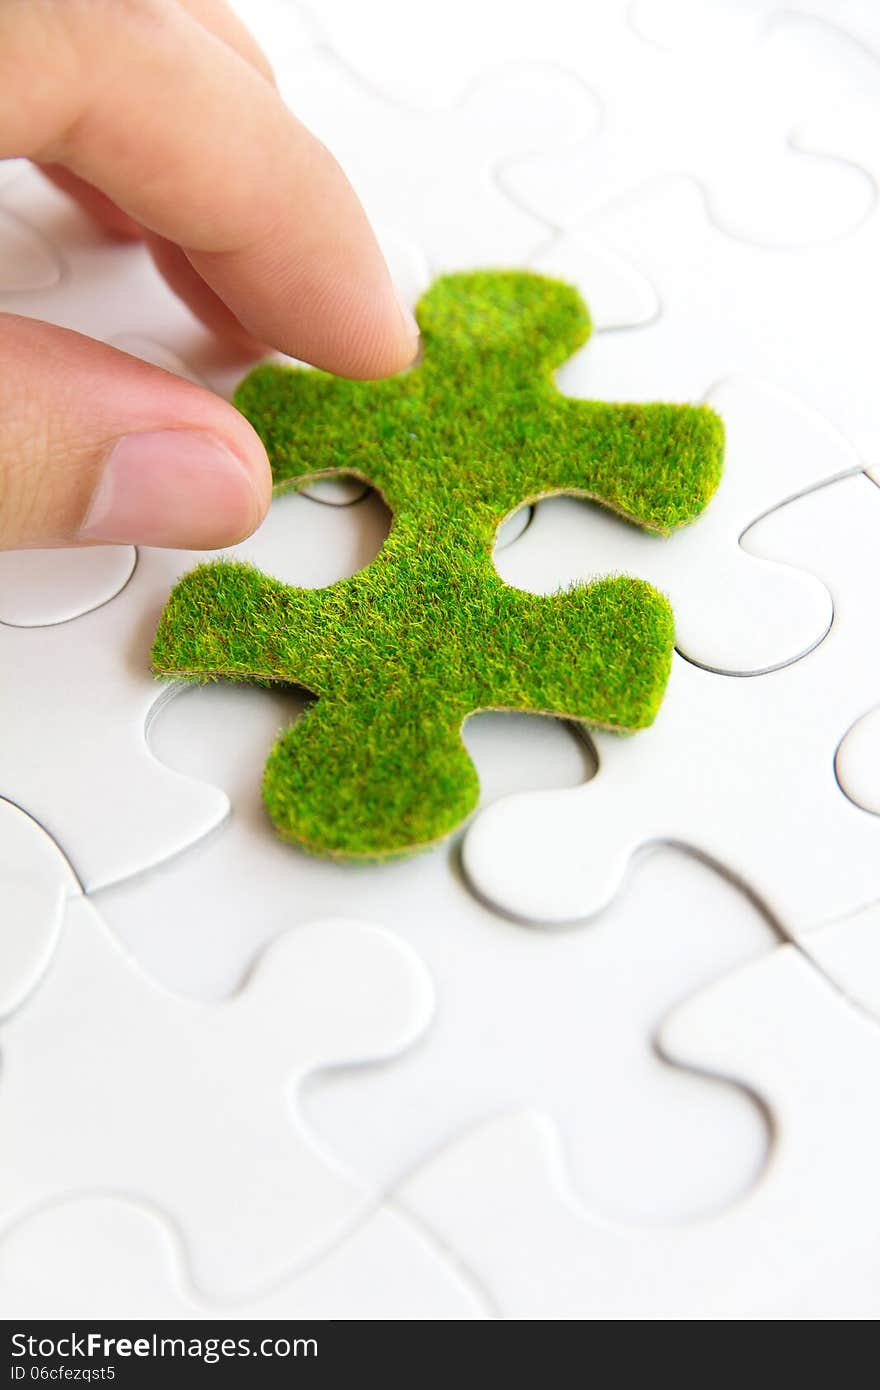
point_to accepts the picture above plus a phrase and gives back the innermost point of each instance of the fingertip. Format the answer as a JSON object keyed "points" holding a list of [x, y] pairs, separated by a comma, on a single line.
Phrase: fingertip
{"points": [[356, 333]]}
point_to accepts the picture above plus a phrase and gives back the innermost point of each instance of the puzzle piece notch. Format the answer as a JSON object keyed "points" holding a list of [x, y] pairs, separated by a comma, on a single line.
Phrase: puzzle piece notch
{"points": [[803, 1243], [453, 446], [35, 884], [561, 856], [164, 1123], [39, 588]]}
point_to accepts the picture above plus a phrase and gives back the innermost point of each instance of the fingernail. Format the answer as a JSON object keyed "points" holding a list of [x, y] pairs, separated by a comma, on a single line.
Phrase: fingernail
{"points": [[409, 319], [172, 488]]}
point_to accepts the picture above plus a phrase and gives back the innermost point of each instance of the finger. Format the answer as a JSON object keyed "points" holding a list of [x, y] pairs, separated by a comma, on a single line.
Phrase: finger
{"points": [[185, 281], [94, 202], [194, 144], [98, 446], [220, 20]]}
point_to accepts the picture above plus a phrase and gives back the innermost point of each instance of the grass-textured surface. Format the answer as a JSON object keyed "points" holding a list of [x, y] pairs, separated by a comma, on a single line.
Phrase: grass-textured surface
{"points": [[401, 653]]}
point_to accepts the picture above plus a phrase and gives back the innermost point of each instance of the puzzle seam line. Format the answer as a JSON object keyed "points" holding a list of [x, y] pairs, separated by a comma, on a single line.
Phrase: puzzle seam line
{"points": [[444, 1250]]}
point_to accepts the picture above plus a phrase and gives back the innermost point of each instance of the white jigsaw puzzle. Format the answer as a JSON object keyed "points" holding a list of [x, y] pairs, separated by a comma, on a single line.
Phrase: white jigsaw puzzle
{"points": [[35, 884], [769, 175], [610, 986], [779, 168], [803, 321], [111, 1084], [187, 1003], [848, 952], [802, 1244], [436, 179], [108, 1257]]}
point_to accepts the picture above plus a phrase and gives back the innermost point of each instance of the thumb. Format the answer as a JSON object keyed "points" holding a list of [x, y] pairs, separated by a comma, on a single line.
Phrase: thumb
{"points": [[98, 446]]}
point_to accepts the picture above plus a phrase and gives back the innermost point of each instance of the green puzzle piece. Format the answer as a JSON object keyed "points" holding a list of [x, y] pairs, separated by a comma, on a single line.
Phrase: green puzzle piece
{"points": [[401, 653]]}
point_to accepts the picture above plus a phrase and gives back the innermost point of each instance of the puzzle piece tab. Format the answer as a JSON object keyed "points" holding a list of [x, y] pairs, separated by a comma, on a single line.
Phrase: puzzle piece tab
{"points": [[428, 633]]}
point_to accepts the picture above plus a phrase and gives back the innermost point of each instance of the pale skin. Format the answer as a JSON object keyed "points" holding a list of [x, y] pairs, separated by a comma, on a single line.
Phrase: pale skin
{"points": [[161, 118]]}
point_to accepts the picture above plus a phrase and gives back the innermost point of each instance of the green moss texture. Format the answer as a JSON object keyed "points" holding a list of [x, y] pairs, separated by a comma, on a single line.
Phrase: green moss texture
{"points": [[401, 653]]}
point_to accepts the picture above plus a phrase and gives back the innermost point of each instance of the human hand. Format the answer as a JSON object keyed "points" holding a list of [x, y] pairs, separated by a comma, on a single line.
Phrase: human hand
{"points": [[161, 118]]}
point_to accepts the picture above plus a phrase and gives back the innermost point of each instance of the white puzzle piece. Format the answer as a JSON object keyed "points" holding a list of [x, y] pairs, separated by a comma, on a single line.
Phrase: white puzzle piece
{"points": [[35, 883], [848, 952], [729, 308], [858, 762], [735, 612], [831, 48], [76, 698], [658, 110], [224, 732], [108, 1257], [740, 770], [775, 170], [388, 49], [435, 182], [802, 1244], [617, 294], [41, 587], [565, 1019], [111, 1084]]}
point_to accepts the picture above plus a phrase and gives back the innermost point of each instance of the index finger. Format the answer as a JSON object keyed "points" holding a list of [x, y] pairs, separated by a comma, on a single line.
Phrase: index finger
{"points": [[183, 134]]}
